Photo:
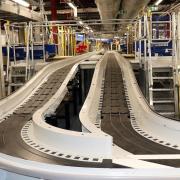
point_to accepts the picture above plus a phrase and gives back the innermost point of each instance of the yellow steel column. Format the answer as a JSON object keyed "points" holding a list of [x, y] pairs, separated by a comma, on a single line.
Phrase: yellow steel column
{"points": [[62, 40], [65, 38], [74, 43], [59, 41]]}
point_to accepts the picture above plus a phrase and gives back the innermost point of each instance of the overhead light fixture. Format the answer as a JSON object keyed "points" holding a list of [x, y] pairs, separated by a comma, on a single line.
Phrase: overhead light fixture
{"points": [[116, 37], [73, 7], [158, 2], [87, 28], [22, 3], [81, 23], [153, 8]]}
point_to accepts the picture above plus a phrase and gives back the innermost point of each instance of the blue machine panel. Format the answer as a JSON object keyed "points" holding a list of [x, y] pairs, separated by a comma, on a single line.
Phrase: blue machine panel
{"points": [[80, 37], [161, 47], [51, 49], [20, 51], [124, 47]]}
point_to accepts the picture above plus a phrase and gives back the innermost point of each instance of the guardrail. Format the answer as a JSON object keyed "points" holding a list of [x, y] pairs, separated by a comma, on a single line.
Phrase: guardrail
{"points": [[28, 170], [72, 143], [145, 121], [10, 103], [89, 112]]}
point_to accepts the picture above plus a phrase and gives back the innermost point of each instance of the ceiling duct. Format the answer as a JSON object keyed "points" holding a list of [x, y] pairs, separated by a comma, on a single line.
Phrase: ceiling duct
{"points": [[131, 8], [108, 9]]}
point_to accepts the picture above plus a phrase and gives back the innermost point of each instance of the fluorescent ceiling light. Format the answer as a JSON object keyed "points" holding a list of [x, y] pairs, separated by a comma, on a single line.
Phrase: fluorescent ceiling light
{"points": [[80, 22], [158, 2], [22, 3], [73, 7]]}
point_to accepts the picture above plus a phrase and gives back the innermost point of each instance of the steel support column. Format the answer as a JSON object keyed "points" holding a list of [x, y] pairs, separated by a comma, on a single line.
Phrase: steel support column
{"points": [[67, 115], [2, 86], [178, 56], [82, 80], [54, 18], [75, 100]]}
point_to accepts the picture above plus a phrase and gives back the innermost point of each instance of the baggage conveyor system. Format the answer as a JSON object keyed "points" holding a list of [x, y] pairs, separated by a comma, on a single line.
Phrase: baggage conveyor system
{"points": [[122, 137]]}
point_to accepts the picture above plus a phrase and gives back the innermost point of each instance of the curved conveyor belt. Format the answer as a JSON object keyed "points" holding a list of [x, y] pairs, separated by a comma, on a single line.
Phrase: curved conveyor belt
{"points": [[116, 118], [11, 142], [115, 122]]}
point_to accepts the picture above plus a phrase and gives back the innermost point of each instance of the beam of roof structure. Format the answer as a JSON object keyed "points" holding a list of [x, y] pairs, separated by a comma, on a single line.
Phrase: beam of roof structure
{"points": [[108, 10], [11, 10], [68, 11], [34, 2], [132, 7]]}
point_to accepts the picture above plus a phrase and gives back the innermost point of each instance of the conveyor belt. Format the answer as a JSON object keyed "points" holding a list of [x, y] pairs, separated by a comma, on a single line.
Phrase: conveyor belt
{"points": [[116, 118], [11, 142], [115, 122]]}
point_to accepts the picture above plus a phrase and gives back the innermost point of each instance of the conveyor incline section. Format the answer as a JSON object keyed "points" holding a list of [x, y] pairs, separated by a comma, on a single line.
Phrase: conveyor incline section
{"points": [[116, 116], [11, 142]]}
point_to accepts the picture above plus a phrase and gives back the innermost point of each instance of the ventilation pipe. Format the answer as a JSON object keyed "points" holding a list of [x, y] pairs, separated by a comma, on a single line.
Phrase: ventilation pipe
{"points": [[108, 9], [131, 8]]}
